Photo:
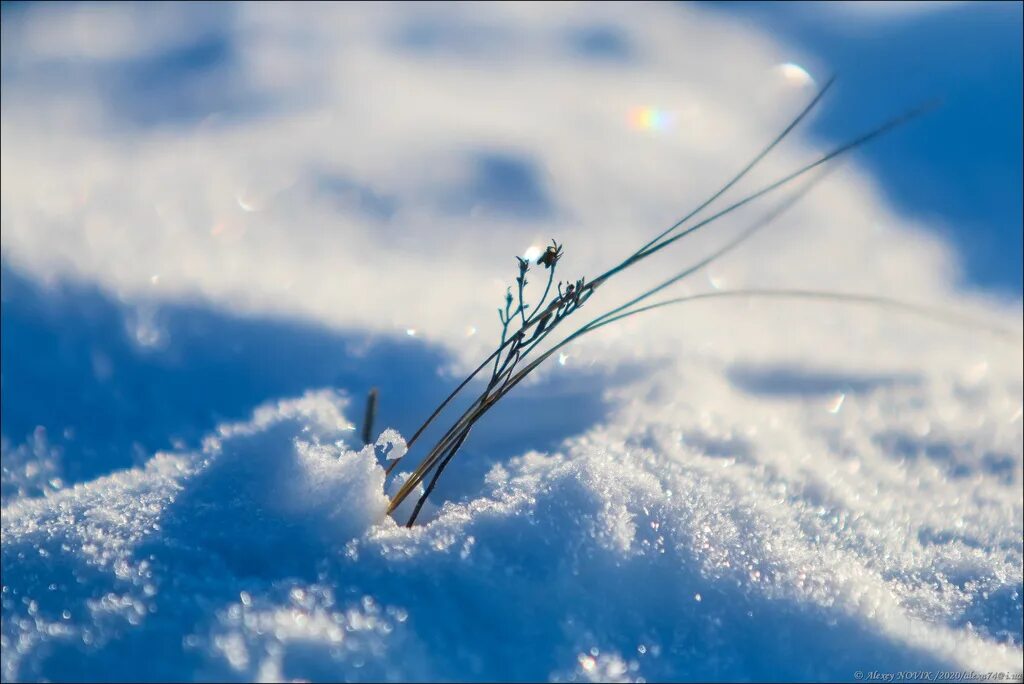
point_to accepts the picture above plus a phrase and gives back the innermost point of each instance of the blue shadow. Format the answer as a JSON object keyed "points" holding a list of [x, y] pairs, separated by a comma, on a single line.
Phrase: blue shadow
{"points": [[960, 167], [71, 365]]}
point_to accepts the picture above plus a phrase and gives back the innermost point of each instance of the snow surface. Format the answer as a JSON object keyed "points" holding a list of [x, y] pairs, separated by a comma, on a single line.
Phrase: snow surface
{"points": [[726, 490], [663, 545]]}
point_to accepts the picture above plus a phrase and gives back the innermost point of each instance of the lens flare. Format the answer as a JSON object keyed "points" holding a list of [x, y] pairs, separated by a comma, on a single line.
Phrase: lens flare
{"points": [[651, 119]]}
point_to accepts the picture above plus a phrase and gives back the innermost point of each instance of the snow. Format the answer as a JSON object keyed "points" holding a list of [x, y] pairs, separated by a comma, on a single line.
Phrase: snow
{"points": [[394, 444], [31, 468], [266, 555], [195, 305], [428, 230]]}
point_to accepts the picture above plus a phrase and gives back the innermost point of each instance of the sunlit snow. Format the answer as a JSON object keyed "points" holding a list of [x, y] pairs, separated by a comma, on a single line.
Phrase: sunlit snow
{"points": [[332, 199]]}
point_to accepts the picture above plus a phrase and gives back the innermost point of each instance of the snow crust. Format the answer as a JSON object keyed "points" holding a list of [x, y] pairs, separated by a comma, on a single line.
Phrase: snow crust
{"points": [[642, 550]]}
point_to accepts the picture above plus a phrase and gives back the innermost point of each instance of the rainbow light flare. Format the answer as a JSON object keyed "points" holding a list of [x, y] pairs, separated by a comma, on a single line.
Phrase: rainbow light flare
{"points": [[651, 119]]}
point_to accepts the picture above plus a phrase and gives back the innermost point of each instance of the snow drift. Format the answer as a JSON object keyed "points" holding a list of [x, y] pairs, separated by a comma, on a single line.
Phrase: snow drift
{"points": [[632, 554]]}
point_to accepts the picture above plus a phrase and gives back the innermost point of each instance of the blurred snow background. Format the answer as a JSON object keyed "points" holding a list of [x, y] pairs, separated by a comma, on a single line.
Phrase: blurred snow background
{"points": [[223, 223]]}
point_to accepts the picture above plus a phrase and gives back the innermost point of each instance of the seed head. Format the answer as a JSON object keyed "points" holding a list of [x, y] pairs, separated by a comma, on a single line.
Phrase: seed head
{"points": [[551, 255]]}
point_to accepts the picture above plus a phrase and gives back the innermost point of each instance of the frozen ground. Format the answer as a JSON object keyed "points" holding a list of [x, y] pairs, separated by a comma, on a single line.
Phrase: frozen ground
{"points": [[194, 306]]}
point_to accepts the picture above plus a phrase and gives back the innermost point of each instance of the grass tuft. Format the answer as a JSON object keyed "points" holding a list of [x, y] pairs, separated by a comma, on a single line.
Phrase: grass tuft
{"points": [[525, 325]]}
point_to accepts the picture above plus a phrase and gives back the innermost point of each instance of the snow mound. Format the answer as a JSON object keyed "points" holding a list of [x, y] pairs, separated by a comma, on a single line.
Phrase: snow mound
{"points": [[642, 551], [135, 557], [280, 488]]}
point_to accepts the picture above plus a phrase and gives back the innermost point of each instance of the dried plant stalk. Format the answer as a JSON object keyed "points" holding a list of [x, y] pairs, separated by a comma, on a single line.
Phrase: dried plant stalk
{"points": [[523, 332]]}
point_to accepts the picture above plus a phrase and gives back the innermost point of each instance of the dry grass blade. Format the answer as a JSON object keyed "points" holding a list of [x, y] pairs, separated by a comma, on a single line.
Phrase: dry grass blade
{"points": [[519, 343]]}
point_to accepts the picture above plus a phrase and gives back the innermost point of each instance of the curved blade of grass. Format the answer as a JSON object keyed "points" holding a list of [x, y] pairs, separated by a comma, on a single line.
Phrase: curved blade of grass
{"points": [[745, 235], [930, 312], [785, 180], [456, 434], [459, 430], [934, 313], [536, 317], [746, 169]]}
